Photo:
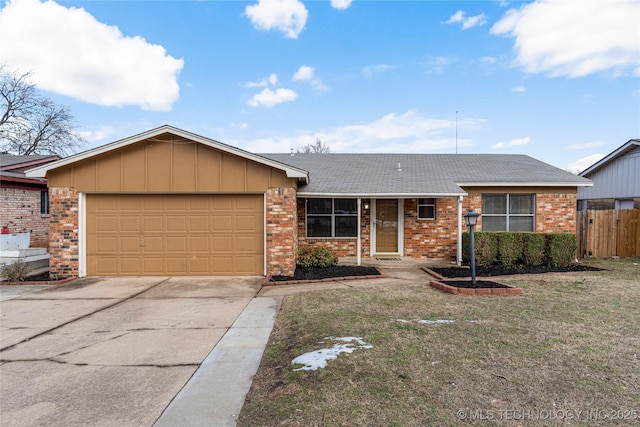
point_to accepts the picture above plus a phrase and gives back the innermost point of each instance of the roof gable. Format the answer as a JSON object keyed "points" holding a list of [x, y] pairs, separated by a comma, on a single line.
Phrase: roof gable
{"points": [[291, 171], [619, 152]]}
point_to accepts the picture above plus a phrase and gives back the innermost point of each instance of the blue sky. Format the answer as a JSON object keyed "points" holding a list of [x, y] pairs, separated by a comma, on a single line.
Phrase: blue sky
{"points": [[558, 80]]}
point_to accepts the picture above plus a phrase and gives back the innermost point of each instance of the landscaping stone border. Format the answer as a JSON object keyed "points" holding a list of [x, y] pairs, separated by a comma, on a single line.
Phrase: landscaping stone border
{"points": [[267, 280]]}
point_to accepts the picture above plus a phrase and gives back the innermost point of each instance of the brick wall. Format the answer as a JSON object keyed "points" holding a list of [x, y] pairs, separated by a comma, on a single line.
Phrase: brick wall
{"points": [[556, 213], [282, 239], [63, 231], [431, 238], [20, 211]]}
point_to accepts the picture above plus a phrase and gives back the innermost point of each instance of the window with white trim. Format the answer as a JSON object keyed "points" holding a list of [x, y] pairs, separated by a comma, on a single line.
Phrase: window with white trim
{"points": [[508, 212], [332, 217], [427, 208]]}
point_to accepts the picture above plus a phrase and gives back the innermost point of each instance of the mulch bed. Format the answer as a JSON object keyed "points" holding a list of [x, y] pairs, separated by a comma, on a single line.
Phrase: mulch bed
{"points": [[317, 274], [499, 270]]}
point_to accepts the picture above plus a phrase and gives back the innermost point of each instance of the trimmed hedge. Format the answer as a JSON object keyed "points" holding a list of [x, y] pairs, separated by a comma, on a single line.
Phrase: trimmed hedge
{"points": [[520, 248], [316, 256], [561, 249]]}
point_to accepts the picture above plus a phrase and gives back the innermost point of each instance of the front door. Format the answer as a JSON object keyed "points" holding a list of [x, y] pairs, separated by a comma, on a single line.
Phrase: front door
{"points": [[387, 226]]}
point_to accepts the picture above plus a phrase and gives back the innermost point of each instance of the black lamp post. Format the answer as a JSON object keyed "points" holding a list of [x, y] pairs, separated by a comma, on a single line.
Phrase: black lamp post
{"points": [[471, 219]]}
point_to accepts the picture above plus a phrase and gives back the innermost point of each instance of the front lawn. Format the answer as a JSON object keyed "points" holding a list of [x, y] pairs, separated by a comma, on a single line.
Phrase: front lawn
{"points": [[567, 351]]}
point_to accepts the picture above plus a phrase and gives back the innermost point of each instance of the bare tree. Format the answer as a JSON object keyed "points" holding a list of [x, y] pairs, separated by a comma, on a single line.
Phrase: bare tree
{"points": [[31, 123], [317, 147]]}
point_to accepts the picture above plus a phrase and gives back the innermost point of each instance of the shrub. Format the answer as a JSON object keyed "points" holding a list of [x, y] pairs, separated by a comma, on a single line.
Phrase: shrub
{"points": [[533, 248], [561, 249], [316, 256], [15, 272], [509, 248], [486, 245]]}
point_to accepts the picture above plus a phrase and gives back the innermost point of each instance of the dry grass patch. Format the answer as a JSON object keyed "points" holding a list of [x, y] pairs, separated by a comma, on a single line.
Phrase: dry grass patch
{"points": [[568, 347]]}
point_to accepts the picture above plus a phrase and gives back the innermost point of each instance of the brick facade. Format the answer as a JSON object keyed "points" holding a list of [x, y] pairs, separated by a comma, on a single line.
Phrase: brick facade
{"points": [[20, 211], [437, 238], [63, 232], [282, 239]]}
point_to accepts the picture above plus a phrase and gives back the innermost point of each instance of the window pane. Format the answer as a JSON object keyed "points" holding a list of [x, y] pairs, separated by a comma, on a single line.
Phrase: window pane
{"points": [[346, 226], [494, 203], [426, 212], [44, 202], [318, 226], [428, 201], [521, 204], [494, 223], [318, 206], [346, 206], [520, 223]]}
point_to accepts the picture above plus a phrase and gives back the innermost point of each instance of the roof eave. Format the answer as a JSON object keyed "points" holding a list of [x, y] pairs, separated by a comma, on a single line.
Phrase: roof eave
{"points": [[291, 172], [526, 184], [377, 195]]}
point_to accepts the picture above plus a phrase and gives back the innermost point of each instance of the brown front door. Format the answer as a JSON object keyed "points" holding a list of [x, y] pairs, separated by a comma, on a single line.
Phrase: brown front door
{"points": [[387, 225]]}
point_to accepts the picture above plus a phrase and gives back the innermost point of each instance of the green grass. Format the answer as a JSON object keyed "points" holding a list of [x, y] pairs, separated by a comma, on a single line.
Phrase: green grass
{"points": [[570, 343]]}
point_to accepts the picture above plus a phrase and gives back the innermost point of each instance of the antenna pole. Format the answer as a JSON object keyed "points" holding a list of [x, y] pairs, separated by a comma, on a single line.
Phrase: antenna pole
{"points": [[456, 131]]}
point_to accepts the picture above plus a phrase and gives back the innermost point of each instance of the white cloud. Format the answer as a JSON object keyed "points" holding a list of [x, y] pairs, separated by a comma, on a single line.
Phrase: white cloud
{"points": [[99, 134], [287, 16], [408, 132], [574, 38], [269, 98], [467, 22], [519, 89], [70, 53], [304, 73], [436, 65], [307, 73], [271, 80], [583, 163], [585, 145], [513, 143], [341, 4]]}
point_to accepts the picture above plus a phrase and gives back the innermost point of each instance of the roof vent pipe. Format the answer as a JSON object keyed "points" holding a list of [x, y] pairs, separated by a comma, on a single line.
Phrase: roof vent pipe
{"points": [[399, 167], [292, 152]]}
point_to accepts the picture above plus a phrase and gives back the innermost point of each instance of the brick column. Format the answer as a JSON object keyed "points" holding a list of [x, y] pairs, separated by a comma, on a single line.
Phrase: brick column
{"points": [[63, 233], [282, 233]]}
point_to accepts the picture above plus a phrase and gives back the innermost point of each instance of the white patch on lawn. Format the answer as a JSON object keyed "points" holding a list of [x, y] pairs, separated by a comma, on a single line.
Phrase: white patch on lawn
{"points": [[320, 358]]}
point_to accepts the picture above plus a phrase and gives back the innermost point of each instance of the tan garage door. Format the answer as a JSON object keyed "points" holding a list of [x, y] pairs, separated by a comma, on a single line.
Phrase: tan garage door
{"points": [[190, 235]]}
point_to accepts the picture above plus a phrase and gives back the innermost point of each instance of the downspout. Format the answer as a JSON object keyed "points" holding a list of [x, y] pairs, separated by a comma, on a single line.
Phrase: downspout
{"points": [[359, 257], [459, 252]]}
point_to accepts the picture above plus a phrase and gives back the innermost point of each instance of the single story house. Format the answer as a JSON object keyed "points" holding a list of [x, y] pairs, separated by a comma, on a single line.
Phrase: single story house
{"points": [[24, 201], [169, 202], [616, 180]]}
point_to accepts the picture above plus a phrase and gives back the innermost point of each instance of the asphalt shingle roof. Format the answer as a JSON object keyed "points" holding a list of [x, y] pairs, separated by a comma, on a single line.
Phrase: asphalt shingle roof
{"points": [[422, 174]]}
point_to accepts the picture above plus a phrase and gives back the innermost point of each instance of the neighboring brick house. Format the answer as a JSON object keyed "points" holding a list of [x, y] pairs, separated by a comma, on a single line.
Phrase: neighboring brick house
{"points": [[169, 202], [24, 202]]}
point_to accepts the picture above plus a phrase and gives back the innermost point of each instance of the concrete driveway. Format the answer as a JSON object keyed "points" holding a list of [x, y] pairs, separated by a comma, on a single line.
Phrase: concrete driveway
{"points": [[131, 351]]}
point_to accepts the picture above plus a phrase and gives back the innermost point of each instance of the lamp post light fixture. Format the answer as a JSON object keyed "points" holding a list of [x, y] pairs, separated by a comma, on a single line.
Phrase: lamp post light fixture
{"points": [[471, 219]]}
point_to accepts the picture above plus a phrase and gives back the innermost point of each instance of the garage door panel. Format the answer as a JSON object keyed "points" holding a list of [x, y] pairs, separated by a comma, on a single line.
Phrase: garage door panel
{"points": [[153, 245], [130, 245], [222, 223], [176, 244], [175, 234], [177, 223], [199, 244], [105, 223], [198, 223], [153, 223], [129, 223]]}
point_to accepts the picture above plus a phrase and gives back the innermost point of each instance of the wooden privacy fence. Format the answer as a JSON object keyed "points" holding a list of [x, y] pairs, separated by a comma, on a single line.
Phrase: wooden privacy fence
{"points": [[608, 233]]}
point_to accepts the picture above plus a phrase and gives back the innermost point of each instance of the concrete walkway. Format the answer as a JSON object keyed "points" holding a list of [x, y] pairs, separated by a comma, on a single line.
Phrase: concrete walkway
{"points": [[142, 351]]}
